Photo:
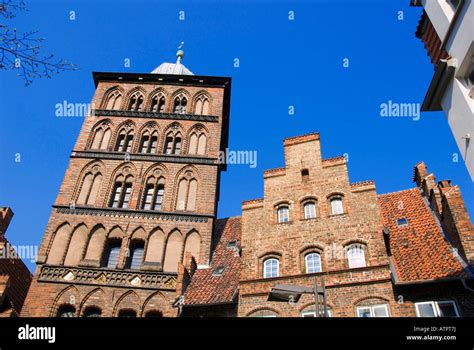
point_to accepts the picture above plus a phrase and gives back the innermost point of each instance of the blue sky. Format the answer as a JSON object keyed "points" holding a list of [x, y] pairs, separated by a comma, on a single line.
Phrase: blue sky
{"points": [[282, 63]]}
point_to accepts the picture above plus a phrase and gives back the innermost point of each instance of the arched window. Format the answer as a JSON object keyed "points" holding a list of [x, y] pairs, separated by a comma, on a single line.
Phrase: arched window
{"points": [[193, 245], [136, 102], [101, 138], [90, 189], [124, 141], [59, 246], [197, 143], [92, 312], [149, 142], [173, 252], [114, 100], [153, 314], [112, 254], [187, 192], [313, 262], [202, 105], [283, 213], [309, 210], [356, 256], [263, 313], [271, 268], [336, 205], [67, 311], [180, 103], [158, 104], [173, 143], [134, 261], [153, 195], [121, 192]]}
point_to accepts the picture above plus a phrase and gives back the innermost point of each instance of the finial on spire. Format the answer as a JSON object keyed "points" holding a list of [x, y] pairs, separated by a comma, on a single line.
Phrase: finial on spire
{"points": [[180, 52]]}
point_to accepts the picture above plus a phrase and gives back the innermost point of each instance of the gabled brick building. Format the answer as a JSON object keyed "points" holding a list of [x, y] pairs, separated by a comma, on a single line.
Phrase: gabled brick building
{"points": [[15, 278], [406, 253]]}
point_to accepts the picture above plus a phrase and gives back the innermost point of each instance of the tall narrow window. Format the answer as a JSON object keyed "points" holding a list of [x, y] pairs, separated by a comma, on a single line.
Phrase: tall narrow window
{"points": [[283, 214], [153, 196], [114, 100], [158, 104], [124, 141], [135, 259], [313, 262], [144, 143], [336, 206], [356, 256], [187, 193], [121, 193], [180, 104], [101, 138], [173, 144], [309, 210], [153, 143], [90, 188], [202, 106], [136, 102], [271, 268], [112, 254]]}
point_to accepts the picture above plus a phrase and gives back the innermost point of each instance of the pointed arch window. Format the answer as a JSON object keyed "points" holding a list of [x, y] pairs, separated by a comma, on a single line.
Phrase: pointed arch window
{"points": [[89, 189], [114, 100], [124, 141], [180, 104], [197, 143], [111, 258], [93, 312], [134, 261], [67, 311], [136, 102], [173, 144], [158, 104], [121, 192], [153, 196], [101, 138], [202, 106], [187, 193], [149, 142]]}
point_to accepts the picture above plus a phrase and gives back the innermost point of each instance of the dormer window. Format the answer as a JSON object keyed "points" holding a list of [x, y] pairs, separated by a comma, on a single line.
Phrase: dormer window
{"points": [[402, 222], [218, 271]]}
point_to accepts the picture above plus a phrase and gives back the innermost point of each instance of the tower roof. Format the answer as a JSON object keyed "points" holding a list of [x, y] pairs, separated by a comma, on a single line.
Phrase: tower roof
{"points": [[173, 68]]}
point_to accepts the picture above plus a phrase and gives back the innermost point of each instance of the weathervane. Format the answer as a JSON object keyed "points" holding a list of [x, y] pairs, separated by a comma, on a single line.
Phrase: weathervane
{"points": [[180, 53]]}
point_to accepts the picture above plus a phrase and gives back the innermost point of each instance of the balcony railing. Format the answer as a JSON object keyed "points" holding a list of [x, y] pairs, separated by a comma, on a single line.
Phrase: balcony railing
{"points": [[108, 277]]}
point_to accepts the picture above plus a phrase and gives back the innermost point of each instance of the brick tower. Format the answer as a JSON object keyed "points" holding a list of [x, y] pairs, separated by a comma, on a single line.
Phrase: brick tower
{"points": [[140, 192]]}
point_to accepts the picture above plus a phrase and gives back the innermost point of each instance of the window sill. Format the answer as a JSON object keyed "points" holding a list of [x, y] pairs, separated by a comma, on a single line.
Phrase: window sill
{"points": [[336, 215]]}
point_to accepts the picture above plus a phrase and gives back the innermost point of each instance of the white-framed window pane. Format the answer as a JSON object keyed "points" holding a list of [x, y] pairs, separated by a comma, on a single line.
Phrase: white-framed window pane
{"points": [[380, 310], [312, 313], [310, 210], [426, 309], [364, 311], [356, 257], [283, 214], [313, 263], [447, 309], [270, 268], [336, 206]]}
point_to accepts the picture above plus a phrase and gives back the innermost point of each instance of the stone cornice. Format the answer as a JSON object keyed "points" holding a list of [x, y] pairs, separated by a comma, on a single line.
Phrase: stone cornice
{"points": [[162, 158], [132, 213], [153, 115], [108, 277]]}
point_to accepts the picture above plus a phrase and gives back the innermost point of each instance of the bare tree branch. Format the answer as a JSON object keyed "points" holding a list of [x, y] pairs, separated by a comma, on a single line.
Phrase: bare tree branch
{"points": [[21, 52]]}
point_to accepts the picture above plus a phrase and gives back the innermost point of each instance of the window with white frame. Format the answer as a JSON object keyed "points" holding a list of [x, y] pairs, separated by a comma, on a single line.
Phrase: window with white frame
{"points": [[312, 313], [271, 268], [336, 206], [445, 308], [373, 311], [283, 213], [356, 256], [309, 210], [312, 262]]}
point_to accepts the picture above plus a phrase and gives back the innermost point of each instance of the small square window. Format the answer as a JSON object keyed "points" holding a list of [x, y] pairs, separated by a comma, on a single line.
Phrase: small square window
{"points": [[218, 271], [232, 244], [402, 222]]}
